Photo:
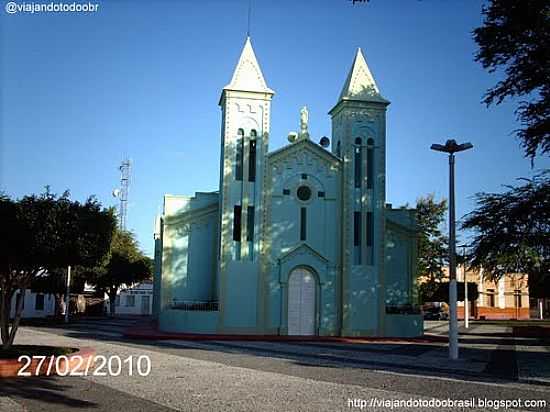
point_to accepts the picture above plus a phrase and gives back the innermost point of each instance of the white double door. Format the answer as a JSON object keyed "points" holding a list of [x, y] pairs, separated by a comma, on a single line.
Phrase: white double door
{"points": [[301, 303]]}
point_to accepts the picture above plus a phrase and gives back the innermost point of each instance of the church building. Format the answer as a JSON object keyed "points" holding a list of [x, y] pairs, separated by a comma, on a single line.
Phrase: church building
{"points": [[297, 241]]}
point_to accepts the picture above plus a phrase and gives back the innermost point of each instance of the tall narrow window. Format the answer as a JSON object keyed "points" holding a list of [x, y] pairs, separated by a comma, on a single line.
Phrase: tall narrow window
{"points": [[237, 212], [39, 302], [357, 238], [252, 160], [517, 296], [356, 228], [239, 155], [357, 162], [370, 229], [370, 163], [338, 149], [303, 223], [250, 224], [491, 298], [370, 239]]}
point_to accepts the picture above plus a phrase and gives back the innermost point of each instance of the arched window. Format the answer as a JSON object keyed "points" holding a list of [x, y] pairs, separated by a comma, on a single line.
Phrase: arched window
{"points": [[252, 157], [239, 155], [370, 163], [357, 162]]}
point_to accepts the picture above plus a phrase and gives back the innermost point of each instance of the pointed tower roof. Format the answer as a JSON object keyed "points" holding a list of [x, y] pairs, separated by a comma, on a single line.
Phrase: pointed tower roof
{"points": [[360, 84], [248, 75]]}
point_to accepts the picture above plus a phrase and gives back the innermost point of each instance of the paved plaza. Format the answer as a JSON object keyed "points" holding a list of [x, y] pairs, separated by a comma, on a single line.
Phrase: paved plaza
{"points": [[275, 376]]}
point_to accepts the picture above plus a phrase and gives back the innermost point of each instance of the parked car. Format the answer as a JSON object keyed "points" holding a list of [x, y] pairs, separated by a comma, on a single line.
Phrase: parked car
{"points": [[435, 314]]}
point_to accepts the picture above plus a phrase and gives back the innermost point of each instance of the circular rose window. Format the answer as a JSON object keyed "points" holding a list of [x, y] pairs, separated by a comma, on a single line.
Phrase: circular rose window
{"points": [[303, 193]]}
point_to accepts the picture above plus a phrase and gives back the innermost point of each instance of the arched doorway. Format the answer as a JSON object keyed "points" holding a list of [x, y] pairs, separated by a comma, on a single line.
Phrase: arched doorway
{"points": [[301, 302]]}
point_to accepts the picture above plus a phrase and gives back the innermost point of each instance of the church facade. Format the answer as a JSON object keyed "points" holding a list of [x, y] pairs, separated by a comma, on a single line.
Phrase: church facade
{"points": [[297, 241]]}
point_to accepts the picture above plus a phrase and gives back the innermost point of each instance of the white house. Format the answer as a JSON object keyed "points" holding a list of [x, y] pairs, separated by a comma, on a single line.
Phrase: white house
{"points": [[135, 300], [36, 305]]}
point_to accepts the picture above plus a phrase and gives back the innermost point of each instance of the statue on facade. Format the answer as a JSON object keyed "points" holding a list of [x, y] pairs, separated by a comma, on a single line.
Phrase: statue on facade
{"points": [[304, 118]]}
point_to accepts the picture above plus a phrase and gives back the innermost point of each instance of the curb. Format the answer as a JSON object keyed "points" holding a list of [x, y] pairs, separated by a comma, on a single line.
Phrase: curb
{"points": [[153, 334]]}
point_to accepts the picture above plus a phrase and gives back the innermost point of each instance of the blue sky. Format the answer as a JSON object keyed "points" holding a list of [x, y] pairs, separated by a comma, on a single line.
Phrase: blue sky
{"points": [[143, 78]]}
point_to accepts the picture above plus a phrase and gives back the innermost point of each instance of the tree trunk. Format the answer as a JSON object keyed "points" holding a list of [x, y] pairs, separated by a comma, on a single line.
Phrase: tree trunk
{"points": [[112, 303], [17, 318], [5, 306], [58, 300]]}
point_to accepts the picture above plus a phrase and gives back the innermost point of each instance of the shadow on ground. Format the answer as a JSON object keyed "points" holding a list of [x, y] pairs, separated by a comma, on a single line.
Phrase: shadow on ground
{"points": [[48, 389]]}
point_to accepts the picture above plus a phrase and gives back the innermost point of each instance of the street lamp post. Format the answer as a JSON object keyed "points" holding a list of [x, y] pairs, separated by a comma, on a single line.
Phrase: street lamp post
{"points": [[451, 147]]}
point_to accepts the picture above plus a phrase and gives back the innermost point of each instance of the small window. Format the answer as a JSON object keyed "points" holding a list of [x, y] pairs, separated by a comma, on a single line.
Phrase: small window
{"points": [[321, 194], [237, 212], [304, 176], [358, 141], [338, 149], [491, 298], [39, 302], [303, 223], [130, 301], [286, 191]]}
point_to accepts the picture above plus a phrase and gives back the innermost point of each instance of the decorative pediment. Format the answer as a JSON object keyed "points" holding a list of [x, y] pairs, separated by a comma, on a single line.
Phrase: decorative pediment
{"points": [[303, 151], [302, 249]]}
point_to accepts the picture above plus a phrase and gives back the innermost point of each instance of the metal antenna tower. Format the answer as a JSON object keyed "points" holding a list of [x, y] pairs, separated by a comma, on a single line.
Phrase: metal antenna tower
{"points": [[122, 192]]}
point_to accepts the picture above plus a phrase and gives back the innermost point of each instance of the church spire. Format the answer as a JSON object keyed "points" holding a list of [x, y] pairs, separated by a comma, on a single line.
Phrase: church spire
{"points": [[248, 75], [360, 84]]}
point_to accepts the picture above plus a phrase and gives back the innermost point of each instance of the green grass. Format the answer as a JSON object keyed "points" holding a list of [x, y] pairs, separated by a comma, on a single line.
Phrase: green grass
{"points": [[34, 350]]}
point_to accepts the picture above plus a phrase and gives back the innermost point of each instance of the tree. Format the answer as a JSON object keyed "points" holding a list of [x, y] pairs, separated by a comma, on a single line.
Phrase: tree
{"points": [[43, 232], [515, 36], [432, 244], [125, 266], [512, 230], [441, 292]]}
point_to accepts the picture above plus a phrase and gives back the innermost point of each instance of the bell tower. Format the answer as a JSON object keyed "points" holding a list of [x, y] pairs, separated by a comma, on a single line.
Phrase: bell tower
{"points": [[245, 104], [359, 138]]}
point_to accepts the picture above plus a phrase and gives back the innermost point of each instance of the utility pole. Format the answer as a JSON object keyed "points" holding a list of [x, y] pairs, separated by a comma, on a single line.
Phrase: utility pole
{"points": [[68, 294], [451, 147]]}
